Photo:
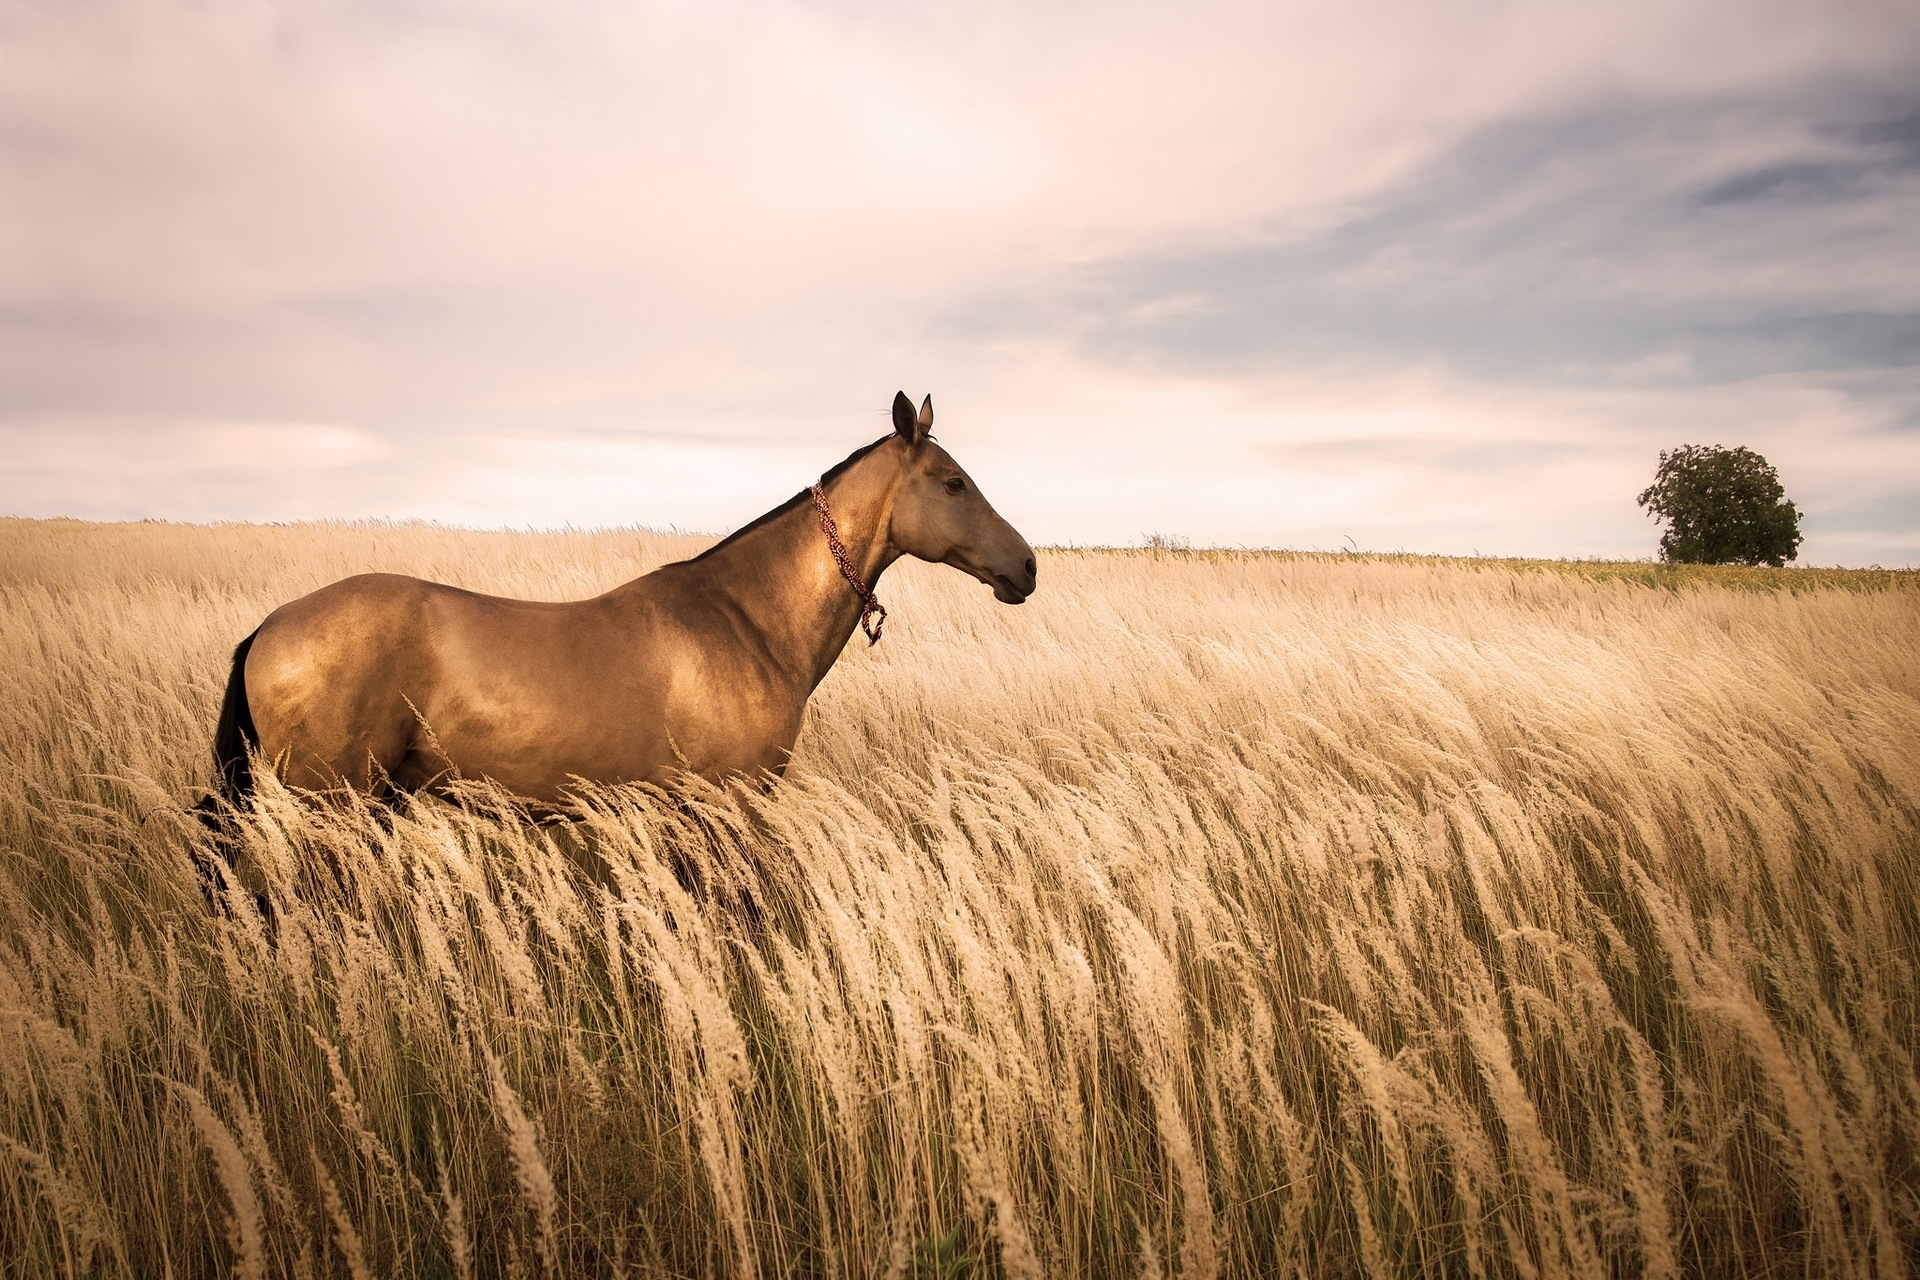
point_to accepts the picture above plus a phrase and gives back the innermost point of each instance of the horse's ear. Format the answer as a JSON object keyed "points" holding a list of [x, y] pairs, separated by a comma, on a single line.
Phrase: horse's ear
{"points": [[910, 428]]}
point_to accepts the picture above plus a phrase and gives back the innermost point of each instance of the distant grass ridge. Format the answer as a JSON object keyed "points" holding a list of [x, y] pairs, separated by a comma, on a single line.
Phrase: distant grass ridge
{"points": [[1647, 573]]}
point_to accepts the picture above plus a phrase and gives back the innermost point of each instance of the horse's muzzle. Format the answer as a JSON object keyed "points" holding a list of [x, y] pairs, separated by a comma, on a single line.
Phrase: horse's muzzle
{"points": [[1009, 590]]}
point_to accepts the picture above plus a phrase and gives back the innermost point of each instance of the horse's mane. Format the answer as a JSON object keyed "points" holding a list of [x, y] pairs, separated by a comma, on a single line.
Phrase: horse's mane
{"points": [[805, 495]]}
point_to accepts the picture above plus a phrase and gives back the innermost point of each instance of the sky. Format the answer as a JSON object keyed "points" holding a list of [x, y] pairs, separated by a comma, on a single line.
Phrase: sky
{"points": [[1436, 277]]}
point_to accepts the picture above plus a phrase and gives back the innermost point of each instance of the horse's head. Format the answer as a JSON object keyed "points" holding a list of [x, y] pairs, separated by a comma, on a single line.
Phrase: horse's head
{"points": [[939, 515]]}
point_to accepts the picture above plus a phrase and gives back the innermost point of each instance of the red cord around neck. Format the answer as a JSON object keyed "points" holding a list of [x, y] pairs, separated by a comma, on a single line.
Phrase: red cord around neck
{"points": [[871, 604]]}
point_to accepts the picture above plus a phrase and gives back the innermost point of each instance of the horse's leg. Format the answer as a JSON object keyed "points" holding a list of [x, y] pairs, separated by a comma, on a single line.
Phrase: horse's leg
{"points": [[392, 798], [215, 859]]}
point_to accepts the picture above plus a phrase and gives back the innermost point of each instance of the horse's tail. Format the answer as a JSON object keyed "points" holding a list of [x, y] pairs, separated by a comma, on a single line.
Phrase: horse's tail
{"points": [[234, 736]]}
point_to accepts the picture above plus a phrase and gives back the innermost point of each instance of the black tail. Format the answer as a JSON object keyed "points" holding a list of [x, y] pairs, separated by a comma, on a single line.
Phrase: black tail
{"points": [[234, 736]]}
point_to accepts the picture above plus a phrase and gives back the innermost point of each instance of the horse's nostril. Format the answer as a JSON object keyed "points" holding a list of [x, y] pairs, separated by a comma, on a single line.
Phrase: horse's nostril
{"points": [[1029, 566]]}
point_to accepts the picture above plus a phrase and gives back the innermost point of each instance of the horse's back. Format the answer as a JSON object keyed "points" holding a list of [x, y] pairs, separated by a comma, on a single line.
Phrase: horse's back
{"points": [[383, 677]]}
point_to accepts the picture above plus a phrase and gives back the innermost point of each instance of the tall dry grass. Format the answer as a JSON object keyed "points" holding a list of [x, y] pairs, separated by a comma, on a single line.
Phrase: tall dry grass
{"points": [[1238, 916]]}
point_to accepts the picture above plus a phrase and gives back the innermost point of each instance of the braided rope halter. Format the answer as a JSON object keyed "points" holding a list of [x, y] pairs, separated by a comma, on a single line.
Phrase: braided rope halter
{"points": [[870, 605]]}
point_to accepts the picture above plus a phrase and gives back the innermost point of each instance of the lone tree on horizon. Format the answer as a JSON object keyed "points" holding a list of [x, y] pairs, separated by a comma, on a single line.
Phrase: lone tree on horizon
{"points": [[1722, 506]]}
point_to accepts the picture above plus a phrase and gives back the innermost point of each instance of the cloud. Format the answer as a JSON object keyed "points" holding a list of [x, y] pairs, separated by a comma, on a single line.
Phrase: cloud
{"points": [[1569, 249], [203, 470], [1881, 149], [1804, 179], [1896, 513], [1898, 135], [1489, 458]]}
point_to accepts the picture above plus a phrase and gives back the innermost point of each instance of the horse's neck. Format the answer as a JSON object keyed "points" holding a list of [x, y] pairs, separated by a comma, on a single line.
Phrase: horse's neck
{"points": [[783, 580]]}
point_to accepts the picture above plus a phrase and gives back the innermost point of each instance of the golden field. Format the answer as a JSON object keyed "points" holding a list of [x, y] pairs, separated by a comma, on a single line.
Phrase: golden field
{"points": [[1212, 914]]}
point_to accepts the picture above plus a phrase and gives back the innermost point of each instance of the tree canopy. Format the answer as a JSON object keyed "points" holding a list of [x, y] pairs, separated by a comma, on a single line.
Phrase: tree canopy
{"points": [[1721, 506]]}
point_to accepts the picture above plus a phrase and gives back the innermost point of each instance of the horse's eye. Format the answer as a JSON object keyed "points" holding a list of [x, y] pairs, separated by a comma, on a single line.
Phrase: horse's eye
{"points": [[956, 485]]}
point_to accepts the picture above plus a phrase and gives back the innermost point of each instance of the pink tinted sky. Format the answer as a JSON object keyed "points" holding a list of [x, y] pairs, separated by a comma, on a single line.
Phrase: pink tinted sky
{"points": [[1441, 277]]}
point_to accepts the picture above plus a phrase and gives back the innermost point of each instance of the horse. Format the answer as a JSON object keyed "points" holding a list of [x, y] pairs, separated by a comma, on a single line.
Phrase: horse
{"points": [[391, 685]]}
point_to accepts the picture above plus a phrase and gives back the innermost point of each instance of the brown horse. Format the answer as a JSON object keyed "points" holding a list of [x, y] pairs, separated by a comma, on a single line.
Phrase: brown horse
{"points": [[382, 682]]}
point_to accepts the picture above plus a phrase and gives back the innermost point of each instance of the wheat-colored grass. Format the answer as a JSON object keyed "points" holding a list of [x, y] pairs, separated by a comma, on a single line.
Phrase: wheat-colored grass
{"points": [[1209, 915]]}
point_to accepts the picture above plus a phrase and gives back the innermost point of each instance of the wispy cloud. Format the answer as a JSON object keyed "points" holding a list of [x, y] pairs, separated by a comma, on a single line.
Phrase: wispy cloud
{"points": [[1623, 245]]}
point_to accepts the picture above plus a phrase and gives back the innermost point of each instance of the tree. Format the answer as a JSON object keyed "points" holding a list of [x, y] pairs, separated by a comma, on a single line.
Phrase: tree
{"points": [[1722, 506]]}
